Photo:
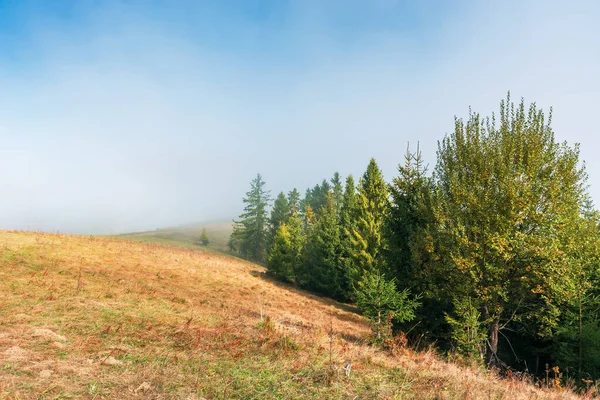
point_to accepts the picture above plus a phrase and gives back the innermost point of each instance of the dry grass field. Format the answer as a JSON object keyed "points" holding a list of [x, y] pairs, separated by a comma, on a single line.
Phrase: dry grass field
{"points": [[105, 318]]}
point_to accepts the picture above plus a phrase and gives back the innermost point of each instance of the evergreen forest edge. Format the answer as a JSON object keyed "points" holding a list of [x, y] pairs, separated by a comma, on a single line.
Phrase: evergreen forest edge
{"points": [[493, 256]]}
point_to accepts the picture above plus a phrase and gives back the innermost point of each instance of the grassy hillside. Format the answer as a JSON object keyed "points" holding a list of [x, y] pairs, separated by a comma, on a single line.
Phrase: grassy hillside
{"points": [[105, 318], [218, 234]]}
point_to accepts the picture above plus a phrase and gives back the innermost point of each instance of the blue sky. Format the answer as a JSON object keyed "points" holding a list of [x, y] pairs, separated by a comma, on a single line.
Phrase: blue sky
{"points": [[127, 115]]}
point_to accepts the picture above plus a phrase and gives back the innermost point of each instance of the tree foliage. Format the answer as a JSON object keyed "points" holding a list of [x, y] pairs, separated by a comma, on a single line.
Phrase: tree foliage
{"points": [[347, 221], [411, 253], [367, 233], [204, 238], [293, 199], [507, 193], [337, 190], [279, 215], [249, 237], [501, 243], [410, 223], [321, 268], [285, 255], [469, 331], [381, 303]]}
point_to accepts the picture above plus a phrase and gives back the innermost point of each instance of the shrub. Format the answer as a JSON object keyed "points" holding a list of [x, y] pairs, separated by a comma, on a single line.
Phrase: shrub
{"points": [[382, 304]]}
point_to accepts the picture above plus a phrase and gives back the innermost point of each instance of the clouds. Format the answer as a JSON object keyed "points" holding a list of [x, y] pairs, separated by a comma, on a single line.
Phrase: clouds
{"points": [[131, 116]]}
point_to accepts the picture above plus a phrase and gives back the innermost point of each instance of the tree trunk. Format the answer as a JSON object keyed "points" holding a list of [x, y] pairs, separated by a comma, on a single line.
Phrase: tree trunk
{"points": [[379, 324], [494, 330], [580, 358]]}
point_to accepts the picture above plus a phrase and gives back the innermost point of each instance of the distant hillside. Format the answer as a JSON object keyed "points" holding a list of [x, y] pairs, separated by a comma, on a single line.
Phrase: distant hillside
{"points": [[218, 234], [105, 318]]}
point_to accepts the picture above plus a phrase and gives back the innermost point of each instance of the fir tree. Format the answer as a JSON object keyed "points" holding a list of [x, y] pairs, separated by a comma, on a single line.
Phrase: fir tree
{"points": [[347, 223], [279, 215], [297, 240], [204, 238], [321, 198], [293, 199], [338, 192], [381, 303], [308, 220], [280, 262], [305, 203], [367, 237], [409, 220], [411, 253], [315, 197], [469, 331], [576, 344], [249, 235], [320, 271]]}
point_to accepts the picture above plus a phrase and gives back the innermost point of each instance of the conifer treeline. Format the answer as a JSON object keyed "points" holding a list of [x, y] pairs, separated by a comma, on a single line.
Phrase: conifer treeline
{"points": [[495, 253]]}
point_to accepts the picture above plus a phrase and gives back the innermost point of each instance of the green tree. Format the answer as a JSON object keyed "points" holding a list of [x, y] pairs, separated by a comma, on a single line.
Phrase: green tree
{"points": [[347, 222], [411, 256], [382, 303], [410, 223], [297, 240], [285, 258], [315, 197], [279, 215], [337, 190], [280, 262], [309, 219], [469, 331], [321, 267], [506, 196], [204, 238], [576, 344], [368, 236], [249, 235], [294, 201], [306, 202]]}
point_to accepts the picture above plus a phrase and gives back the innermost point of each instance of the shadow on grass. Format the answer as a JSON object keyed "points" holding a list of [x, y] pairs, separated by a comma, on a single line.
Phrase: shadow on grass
{"points": [[323, 300]]}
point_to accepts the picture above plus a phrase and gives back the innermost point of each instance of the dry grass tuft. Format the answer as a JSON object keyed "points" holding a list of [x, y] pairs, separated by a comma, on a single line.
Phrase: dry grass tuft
{"points": [[85, 317]]}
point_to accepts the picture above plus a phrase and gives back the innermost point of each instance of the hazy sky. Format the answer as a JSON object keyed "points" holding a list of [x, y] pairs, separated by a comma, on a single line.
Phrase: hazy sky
{"points": [[132, 115]]}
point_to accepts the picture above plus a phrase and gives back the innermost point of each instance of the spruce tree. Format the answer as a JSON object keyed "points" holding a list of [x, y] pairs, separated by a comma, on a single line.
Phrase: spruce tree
{"points": [[309, 219], [315, 197], [305, 203], [410, 226], [410, 217], [297, 240], [347, 221], [285, 257], [576, 344], [249, 235], [337, 190], [411, 253], [324, 189], [280, 262], [320, 271], [382, 303], [293, 199], [279, 215], [368, 236], [204, 238]]}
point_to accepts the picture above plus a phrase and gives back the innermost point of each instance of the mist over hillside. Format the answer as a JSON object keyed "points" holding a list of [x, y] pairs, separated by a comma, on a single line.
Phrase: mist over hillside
{"points": [[218, 235], [122, 116], [345, 199]]}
